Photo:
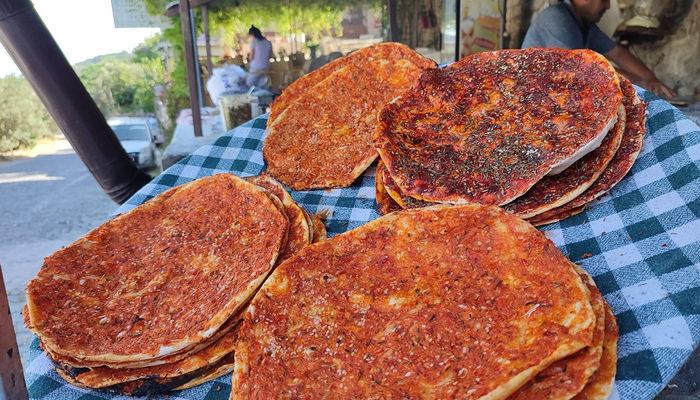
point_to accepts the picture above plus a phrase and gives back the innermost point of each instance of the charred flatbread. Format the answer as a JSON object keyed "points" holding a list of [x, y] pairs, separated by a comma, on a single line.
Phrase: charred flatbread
{"points": [[367, 313], [116, 295], [556, 190], [221, 370], [385, 204], [619, 166], [565, 378], [549, 218], [601, 383], [488, 127], [156, 385], [324, 138], [299, 230]]}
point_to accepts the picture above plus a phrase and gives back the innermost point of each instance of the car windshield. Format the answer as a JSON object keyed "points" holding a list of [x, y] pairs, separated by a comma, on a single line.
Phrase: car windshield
{"points": [[131, 132]]}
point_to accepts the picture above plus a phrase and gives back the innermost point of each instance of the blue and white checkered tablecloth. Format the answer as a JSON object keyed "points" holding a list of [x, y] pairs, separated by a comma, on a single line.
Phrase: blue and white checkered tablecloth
{"points": [[641, 243]]}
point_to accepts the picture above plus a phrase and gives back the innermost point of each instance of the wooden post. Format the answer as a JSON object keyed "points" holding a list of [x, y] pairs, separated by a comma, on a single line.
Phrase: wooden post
{"points": [[186, 25], [12, 384], [393, 22], [458, 33], [207, 39]]}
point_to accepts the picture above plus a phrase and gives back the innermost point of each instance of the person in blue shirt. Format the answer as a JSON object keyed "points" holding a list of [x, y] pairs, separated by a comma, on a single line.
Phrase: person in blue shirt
{"points": [[571, 24]]}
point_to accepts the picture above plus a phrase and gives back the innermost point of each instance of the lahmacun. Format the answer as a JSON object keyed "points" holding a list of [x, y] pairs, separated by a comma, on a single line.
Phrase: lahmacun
{"points": [[300, 232], [358, 57], [488, 127], [556, 190], [619, 166], [324, 138], [565, 378], [601, 383], [443, 302], [116, 295]]}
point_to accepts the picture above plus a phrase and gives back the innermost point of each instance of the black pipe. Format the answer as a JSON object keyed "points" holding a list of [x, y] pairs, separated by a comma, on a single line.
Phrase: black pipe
{"points": [[41, 61]]}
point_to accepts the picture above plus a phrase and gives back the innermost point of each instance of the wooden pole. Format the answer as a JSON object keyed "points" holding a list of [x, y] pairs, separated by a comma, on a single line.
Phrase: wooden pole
{"points": [[12, 384], [458, 33], [393, 22], [186, 25], [207, 39]]}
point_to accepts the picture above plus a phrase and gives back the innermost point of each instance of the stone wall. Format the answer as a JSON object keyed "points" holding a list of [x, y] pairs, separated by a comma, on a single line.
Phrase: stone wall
{"points": [[675, 58]]}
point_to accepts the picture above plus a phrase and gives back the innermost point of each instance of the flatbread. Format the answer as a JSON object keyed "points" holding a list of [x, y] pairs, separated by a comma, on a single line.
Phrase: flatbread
{"points": [[385, 204], [556, 190], [312, 225], [71, 363], [395, 193], [116, 295], [319, 229], [565, 378], [601, 383], [103, 377], [434, 302], [154, 386], [324, 138], [307, 82], [299, 230], [221, 370], [547, 218], [486, 128], [619, 166]]}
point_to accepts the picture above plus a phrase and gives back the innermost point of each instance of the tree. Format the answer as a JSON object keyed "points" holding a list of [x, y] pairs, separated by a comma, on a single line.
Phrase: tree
{"points": [[125, 84], [23, 119]]}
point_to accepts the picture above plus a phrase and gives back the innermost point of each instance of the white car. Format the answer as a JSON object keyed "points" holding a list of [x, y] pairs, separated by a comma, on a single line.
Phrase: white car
{"points": [[137, 139]]}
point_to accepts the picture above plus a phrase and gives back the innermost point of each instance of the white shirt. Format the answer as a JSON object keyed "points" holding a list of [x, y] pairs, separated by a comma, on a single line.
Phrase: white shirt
{"points": [[262, 51]]}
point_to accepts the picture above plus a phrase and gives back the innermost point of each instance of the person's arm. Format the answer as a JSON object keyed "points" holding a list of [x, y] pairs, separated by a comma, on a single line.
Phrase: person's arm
{"points": [[639, 73]]}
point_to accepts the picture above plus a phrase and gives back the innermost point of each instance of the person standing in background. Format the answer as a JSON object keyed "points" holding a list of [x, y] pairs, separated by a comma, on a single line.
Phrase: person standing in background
{"points": [[571, 24], [260, 53]]}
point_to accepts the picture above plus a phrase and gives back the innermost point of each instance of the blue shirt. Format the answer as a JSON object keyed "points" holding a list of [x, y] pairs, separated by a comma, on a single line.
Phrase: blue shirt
{"points": [[557, 26]]}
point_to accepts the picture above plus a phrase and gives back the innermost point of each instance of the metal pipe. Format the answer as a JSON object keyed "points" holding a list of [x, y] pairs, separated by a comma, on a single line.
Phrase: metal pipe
{"points": [[41, 61]]}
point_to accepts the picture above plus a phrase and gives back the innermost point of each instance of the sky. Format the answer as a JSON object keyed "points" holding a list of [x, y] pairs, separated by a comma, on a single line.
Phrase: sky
{"points": [[83, 29]]}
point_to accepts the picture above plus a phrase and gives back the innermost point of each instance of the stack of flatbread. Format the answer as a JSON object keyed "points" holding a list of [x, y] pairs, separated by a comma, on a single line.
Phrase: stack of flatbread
{"points": [[320, 128], [151, 301], [442, 302], [540, 132]]}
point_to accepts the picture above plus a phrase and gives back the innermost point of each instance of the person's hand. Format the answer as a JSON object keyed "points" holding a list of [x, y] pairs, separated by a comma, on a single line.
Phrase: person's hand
{"points": [[658, 88]]}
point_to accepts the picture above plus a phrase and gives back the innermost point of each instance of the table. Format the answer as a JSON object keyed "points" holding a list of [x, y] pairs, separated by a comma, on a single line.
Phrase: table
{"points": [[641, 243]]}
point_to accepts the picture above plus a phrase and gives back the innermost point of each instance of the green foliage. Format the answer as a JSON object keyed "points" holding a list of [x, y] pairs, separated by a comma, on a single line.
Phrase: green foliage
{"points": [[148, 50], [23, 119], [121, 85], [232, 18], [313, 18]]}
